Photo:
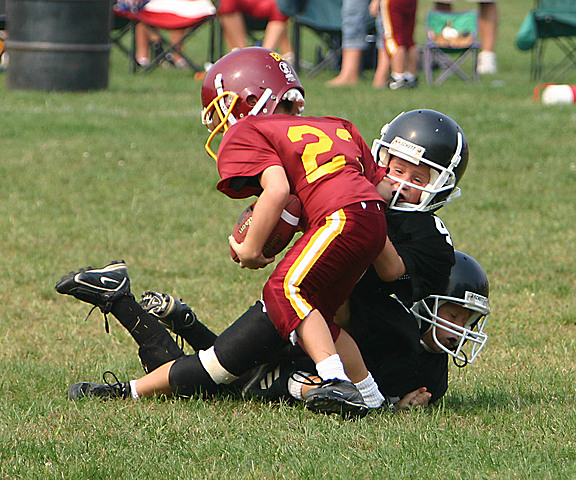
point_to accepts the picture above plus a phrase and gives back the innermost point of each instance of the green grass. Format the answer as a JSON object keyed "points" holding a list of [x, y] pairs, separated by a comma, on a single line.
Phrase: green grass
{"points": [[91, 177]]}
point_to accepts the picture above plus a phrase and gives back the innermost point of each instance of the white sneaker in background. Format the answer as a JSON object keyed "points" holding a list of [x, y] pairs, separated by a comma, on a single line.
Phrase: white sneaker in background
{"points": [[143, 61], [181, 63], [487, 63]]}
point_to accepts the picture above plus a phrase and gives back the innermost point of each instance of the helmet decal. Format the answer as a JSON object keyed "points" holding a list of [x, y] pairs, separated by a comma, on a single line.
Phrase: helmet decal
{"points": [[407, 150]]}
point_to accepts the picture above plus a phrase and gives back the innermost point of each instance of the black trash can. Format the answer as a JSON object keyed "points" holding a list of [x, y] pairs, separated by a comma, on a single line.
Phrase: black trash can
{"points": [[58, 44]]}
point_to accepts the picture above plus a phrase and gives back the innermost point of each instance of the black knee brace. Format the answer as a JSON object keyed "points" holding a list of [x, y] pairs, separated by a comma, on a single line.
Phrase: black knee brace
{"points": [[158, 351], [250, 341], [187, 377]]}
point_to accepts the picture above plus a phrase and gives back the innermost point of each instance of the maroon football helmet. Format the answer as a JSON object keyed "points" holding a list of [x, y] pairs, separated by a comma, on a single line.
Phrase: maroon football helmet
{"points": [[248, 81]]}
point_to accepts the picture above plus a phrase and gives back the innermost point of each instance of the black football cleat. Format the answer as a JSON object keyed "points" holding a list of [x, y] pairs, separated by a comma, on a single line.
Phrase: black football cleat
{"points": [[336, 396], [99, 287], [174, 314], [101, 390], [270, 382]]}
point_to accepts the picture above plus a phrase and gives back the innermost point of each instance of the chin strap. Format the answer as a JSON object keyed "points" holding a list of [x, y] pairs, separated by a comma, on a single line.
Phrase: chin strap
{"points": [[461, 363]]}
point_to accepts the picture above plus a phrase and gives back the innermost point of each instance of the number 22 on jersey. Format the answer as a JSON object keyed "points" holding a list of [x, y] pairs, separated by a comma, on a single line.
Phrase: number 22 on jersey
{"points": [[312, 150]]}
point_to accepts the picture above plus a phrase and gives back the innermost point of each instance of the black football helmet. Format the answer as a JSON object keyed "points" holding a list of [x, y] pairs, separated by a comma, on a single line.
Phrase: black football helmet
{"points": [[467, 286], [432, 138], [247, 81]]}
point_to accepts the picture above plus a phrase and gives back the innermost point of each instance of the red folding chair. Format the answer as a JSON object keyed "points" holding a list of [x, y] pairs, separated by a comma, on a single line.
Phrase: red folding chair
{"points": [[161, 15]]}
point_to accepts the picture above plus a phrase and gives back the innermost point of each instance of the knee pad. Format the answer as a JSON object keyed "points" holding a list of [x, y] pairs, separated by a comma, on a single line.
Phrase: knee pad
{"points": [[214, 368]]}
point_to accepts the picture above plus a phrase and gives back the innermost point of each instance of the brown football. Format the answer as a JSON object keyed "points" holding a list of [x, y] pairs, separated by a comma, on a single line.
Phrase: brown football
{"points": [[280, 236]]}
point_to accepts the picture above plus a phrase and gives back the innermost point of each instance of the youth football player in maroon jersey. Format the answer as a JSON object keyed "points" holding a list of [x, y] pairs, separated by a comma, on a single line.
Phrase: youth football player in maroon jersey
{"points": [[327, 164], [324, 162]]}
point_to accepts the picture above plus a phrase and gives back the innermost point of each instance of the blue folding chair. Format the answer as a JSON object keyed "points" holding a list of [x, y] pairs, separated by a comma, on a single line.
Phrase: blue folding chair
{"points": [[324, 18]]}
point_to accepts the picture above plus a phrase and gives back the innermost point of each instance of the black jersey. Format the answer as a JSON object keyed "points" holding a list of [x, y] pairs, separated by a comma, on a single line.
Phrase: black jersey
{"points": [[386, 332], [424, 243], [389, 338]]}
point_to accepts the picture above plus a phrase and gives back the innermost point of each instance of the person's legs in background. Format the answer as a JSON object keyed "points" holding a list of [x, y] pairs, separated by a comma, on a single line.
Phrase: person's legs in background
{"points": [[488, 26], [276, 34], [234, 30], [412, 56], [146, 37], [176, 36], [383, 61], [276, 38], [399, 23], [231, 14], [397, 61], [488, 29], [382, 69], [354, 25]]}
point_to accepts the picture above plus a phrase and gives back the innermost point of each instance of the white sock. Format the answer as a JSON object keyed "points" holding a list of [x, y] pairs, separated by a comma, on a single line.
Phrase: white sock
{"points": [[370, 393], [295, 387], [397, 76], [330, 368], [133, 390]]}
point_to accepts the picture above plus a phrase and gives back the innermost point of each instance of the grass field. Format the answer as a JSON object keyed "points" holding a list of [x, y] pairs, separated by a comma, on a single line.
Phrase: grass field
{"points": [[122, 173]]}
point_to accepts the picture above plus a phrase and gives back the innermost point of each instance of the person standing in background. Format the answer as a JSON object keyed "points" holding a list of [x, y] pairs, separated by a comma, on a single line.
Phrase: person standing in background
{"points": [[488, 26], [399, 17], [355, 21]]}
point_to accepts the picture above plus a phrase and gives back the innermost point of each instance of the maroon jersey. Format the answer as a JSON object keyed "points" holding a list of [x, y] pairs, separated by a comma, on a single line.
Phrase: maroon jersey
{"points": [[328, 164]]}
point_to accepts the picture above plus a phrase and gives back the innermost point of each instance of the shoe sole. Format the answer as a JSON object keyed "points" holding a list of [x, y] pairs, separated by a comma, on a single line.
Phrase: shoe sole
{"points": [[329, 405], [166, 308]]}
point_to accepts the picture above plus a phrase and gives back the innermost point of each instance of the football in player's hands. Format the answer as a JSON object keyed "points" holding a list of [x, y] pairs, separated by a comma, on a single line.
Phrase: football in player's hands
{"points": [[281, 235]]}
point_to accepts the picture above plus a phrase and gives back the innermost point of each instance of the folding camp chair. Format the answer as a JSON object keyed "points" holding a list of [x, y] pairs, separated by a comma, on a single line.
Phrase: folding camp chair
{"points": [[122, 27], [324, 18], [555, 21], [165, 15], [451, 38]]}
